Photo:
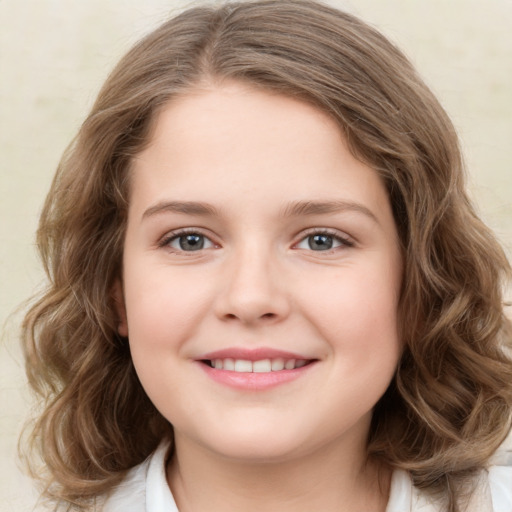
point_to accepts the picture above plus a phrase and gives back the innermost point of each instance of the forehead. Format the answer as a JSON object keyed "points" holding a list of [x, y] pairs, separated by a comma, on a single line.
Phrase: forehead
{"points": [[235, 141], [242, 117]]}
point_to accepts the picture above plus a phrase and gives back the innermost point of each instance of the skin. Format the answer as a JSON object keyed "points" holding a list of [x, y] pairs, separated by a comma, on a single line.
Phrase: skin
{"points": [[258, 282]]}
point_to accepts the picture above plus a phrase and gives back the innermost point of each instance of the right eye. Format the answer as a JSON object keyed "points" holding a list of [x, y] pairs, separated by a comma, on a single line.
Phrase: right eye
{"points": [[187, 242]]}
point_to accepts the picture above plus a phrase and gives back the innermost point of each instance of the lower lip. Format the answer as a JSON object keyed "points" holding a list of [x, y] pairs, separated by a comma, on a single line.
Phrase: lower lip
{"points": [[255, 381]]}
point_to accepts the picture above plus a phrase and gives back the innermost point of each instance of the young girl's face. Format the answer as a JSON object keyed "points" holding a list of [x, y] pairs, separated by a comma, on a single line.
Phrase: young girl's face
{"points": [[261, 277]]}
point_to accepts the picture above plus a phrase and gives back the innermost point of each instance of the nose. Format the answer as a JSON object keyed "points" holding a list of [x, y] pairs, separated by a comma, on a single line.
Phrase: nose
{"points": [[254, 291]]}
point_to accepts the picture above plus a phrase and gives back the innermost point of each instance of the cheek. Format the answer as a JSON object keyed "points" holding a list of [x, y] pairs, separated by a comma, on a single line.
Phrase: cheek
{"points": [[164, 312], [164, 309], [356, 311]]}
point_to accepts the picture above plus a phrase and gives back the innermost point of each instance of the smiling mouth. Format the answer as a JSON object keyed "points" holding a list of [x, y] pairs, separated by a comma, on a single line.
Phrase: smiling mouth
{"points": [[259, 366]]}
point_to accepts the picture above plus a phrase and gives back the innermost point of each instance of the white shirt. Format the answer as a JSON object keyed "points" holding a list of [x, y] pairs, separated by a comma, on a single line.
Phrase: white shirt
{"points": [[145, 489]]}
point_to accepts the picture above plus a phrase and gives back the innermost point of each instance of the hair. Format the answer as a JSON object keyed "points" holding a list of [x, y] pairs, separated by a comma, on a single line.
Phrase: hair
{"points": [[449, 405]]}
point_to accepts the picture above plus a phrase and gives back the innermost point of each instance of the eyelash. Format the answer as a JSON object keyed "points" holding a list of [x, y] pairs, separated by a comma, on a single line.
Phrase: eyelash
{"points": [[175, 235], [343, 240]]}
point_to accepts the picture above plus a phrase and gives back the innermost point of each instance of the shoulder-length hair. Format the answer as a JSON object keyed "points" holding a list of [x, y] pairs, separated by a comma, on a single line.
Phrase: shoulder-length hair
{"points": [[449, 405]]}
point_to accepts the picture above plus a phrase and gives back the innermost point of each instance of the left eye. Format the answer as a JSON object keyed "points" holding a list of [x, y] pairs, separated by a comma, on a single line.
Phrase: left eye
{"points": [[322, 242], [190, 242]]}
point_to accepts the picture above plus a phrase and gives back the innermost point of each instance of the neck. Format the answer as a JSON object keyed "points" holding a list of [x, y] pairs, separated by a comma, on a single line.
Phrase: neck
{"points": [[327, 480]]}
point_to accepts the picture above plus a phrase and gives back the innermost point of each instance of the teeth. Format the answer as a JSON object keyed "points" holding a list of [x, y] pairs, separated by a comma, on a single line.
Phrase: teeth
{"points": [[277, 364], [289, 365], [243, 366], [229, 364], [260, 366]]}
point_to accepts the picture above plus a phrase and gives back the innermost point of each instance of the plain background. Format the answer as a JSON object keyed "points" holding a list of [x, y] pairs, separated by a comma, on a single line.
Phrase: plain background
{"points": [[55, 54]]}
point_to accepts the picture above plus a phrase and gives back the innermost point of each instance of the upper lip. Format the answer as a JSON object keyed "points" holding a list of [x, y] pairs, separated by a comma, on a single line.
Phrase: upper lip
{"points": [[254, 354]]}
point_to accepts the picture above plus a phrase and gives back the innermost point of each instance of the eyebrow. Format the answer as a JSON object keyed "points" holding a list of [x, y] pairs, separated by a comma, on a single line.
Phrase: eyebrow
{"points": [[299, 208], [294, 209], [185, 207]]}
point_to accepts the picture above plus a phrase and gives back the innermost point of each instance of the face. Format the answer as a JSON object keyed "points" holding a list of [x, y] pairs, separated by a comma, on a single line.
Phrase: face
{"points": [[261, 277]]}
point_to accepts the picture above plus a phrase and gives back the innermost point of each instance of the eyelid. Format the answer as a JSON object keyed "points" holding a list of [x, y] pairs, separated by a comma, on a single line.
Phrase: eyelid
{"points": [[165, 240], [346, 240]]}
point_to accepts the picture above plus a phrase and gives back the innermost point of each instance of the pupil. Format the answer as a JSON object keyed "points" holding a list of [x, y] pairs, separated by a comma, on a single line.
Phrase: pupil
{"points": [[191, 242], [320, 242]]}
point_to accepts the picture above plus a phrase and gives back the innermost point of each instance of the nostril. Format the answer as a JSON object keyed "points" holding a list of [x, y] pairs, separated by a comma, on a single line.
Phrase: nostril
{"points": [[268, 315]]}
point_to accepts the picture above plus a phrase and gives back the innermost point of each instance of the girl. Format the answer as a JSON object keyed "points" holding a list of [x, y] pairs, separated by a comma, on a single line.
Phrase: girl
{"points": [[268, 289]]}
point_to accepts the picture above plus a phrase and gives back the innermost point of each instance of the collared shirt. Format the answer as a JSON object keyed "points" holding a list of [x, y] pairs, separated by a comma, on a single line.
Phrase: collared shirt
{"points": [[145, 489]]}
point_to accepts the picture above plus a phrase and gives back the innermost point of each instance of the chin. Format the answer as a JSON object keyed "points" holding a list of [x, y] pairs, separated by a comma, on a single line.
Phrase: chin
{"points": [[258, 451], [255, 443]]}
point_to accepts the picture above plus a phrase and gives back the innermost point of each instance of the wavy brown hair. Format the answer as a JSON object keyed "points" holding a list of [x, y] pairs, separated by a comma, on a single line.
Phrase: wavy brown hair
{"points": [[449, 406]]}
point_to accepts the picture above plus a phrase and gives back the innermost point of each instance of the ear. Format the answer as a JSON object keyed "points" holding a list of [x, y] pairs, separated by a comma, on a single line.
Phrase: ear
{"points": [[118, 296]]}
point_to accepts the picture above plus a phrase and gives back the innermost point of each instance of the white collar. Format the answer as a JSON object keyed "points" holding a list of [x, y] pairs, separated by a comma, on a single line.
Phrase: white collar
{"points": [[145, 489]]}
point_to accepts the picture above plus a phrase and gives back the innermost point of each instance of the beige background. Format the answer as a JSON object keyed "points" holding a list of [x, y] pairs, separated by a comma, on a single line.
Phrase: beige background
{"points": [[54, 54]]}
